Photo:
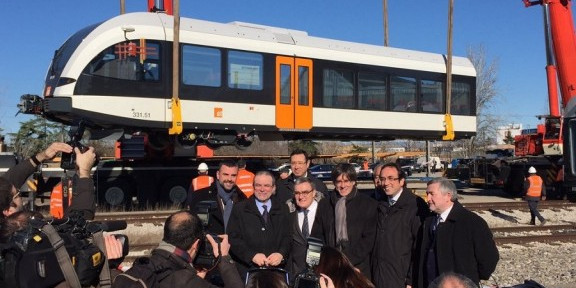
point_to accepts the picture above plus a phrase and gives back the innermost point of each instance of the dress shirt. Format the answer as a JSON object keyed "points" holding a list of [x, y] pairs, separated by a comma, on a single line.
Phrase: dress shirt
{"points": [[311, 215]]}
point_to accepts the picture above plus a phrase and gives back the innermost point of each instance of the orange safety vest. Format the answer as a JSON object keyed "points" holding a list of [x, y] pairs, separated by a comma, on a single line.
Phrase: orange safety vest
{"points": [[201, 181], [57, 200], [245, 181], [535, 189]]}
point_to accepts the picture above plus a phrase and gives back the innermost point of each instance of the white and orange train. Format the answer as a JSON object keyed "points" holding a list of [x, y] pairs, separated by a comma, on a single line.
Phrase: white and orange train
{"points": [[237, 80]]}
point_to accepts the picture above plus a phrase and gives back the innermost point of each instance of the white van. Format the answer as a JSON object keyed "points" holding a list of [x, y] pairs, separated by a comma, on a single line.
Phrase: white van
{"points": [[421, 163]]}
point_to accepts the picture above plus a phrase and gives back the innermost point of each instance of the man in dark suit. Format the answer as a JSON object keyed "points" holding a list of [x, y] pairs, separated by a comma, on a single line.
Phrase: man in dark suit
{"points": [[454, 239], [400, 215], [347, 219], [303, 208], [223, 194], [259, 228], [299, 163]]}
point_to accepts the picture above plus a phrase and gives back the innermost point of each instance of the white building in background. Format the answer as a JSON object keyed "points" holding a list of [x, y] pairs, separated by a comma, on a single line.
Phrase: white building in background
{"points": [[504, 131], [396, 149]]}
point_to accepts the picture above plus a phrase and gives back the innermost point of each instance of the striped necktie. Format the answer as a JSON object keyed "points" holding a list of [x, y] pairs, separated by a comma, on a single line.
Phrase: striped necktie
{"points": [[305, 229]]}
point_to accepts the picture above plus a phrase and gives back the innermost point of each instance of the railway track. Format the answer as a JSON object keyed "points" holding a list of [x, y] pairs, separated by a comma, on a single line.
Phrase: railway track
{"points": [[519, 205]]}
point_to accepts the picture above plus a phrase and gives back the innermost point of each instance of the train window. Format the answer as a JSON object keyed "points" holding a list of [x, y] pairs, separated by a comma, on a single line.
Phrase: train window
{"points": [[338, 89], [201, 66], [403, 93], [432, 95], [245, 70], [286, 82], [303, 86], [460, 103], [130, 60], [372, 91]]}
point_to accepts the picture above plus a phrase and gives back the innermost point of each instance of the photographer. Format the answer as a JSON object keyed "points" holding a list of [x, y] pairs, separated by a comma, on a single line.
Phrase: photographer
{"points": [[182, 235], [83, 192]]}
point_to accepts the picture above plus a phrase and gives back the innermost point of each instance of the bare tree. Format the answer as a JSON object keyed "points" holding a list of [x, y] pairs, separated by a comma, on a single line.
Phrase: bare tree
{"points": [[486, 97]]}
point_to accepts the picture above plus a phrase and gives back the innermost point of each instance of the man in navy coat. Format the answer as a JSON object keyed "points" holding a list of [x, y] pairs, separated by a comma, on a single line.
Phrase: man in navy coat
{"points": [[454, 239]]}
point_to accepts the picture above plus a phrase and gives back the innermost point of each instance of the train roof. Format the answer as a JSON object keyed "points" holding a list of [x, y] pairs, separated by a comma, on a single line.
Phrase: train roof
{"points": [[267, 39]]}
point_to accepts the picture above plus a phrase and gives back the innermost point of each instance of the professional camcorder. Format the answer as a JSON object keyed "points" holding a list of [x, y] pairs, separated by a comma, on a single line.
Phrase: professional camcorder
{"points": [[206, 258], [308, 278], [31, 257]]}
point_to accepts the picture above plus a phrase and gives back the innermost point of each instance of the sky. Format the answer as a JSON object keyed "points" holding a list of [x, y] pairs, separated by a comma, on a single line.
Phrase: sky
{"points": [[511, 35]]}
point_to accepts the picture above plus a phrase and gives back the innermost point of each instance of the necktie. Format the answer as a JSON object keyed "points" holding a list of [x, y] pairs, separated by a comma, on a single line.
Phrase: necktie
{"points": [[391, 201], [305, 229], [265, 215], [436, 222]]}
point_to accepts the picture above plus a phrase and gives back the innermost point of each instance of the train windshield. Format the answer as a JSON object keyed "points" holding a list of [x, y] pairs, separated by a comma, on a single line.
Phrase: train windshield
{"points": [[62, 55]]}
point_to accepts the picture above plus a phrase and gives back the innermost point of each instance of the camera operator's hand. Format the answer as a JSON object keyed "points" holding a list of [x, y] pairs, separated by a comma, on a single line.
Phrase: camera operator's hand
{"points": [[224, 244], [201, 273], [85, 161], [325, 281], [113, 247], [274, 259], [259, 259], [52, 150]]}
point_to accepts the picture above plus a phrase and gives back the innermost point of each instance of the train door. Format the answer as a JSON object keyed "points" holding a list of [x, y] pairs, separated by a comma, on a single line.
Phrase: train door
{"points": [[293, 93]]}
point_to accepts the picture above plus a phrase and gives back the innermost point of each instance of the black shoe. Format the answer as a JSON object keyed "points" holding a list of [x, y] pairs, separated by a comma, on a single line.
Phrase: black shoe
{"points": [[532, 223], [543, 222]]}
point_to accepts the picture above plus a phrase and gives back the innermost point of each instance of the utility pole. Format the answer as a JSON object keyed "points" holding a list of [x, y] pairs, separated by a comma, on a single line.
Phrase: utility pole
{"points": [[386, 36], [385, 19]]}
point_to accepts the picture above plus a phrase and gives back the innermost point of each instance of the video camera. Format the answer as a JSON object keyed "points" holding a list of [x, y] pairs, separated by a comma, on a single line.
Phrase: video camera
{"points": [[68, 161], [206, 258], [308, 278], [35, 246]]}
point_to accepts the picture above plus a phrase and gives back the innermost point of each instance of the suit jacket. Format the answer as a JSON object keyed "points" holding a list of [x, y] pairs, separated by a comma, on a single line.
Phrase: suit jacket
{"points": [[361, 225], [464, 245], [248, 235], [216, 223], [396, 238], [285, 188], [297, 258]]}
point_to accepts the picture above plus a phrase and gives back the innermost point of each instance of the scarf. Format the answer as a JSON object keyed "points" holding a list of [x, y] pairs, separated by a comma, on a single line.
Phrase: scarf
{"points": [[341, 227], [228, 203]]}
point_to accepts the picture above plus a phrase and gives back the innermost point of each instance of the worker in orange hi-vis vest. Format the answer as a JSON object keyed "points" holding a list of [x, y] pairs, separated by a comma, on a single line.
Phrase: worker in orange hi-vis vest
{"points": [[61, 198], [203, 180], [245, 179], [535, 190]]}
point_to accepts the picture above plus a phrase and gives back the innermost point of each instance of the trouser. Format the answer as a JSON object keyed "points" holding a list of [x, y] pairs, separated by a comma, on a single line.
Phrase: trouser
{"points": [[533, 205]]}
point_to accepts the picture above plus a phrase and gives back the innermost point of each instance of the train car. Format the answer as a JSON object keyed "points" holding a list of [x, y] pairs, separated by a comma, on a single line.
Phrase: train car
{"points": [[238, 80]]}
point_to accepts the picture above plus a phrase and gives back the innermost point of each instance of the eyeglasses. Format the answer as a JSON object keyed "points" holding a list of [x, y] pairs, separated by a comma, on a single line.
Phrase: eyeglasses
{"points": [[389, 179], [304, 193]]}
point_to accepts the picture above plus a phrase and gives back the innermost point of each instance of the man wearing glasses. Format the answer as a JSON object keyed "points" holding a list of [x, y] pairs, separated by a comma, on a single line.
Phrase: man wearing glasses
{"points": [[303, 209], [299, 163], [83, 192], [400, 215]]}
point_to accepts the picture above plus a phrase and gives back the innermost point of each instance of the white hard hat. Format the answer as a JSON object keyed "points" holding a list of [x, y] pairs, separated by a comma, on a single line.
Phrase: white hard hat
{"points": [[532, 170], [203, 167]]}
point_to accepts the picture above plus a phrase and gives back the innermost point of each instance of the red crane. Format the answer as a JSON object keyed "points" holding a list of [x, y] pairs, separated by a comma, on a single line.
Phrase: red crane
{"points": [[561, 74]]}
